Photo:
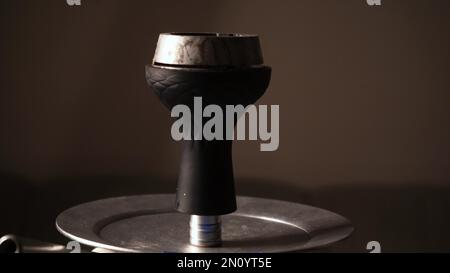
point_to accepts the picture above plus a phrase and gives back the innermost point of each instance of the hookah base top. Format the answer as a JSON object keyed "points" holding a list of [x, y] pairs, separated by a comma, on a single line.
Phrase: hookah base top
{"points": [[149, 223]]}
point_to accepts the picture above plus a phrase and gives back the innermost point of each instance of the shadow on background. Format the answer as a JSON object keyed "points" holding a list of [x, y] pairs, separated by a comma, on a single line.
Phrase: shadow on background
{"points": [[404, 217], [32, 210], [409, 217]]}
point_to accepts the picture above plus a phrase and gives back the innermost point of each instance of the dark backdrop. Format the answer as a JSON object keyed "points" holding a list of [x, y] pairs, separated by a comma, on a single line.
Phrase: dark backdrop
{"points": [[363, 95]]}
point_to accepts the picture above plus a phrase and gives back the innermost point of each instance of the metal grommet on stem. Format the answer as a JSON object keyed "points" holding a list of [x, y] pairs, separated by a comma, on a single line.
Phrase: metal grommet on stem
{"points": [[205, 231]]}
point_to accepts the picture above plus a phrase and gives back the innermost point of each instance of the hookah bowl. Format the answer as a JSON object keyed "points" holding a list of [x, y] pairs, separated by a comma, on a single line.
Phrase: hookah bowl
{"points": [[222, 69]]}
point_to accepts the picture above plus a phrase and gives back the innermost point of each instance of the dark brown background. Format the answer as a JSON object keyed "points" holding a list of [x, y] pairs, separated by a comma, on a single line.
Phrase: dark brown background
{"points": [[363, 95]]}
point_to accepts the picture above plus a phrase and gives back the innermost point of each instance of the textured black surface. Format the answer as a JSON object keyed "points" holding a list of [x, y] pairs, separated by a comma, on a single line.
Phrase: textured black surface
{"points": [[221, 87], [206, 181]]}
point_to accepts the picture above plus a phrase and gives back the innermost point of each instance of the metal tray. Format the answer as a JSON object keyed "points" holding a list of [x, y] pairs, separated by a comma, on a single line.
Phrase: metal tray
{"points": [[148, 223]]}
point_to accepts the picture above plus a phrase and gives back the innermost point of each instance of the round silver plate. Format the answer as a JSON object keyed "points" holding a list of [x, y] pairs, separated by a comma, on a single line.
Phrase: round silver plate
{"points": [[148, 223]]}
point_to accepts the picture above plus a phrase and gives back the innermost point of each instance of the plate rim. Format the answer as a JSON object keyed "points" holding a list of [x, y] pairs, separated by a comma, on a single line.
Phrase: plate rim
{"points": [[343, 227]]}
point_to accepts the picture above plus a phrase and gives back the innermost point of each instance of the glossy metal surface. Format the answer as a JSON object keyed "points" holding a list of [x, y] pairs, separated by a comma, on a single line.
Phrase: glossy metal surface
{"points": [[205, 231], [14, 244], [207, 50], [148, 223]]}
